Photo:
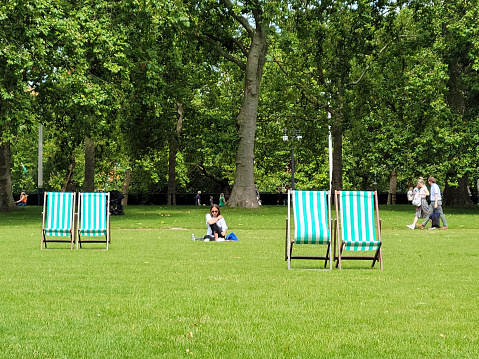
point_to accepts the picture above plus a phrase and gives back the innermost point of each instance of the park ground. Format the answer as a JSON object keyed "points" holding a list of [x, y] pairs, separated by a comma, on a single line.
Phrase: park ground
{"points": [[157, 294]]}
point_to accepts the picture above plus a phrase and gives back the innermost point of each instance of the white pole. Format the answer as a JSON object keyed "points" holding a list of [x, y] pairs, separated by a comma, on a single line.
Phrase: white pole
{"points": [[330, 155], [40, 163]]}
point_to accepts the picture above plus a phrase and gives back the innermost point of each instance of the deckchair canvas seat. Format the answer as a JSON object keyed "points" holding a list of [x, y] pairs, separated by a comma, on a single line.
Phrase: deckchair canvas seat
{"points": [[57, 232], [362, 246], [93, 232]]}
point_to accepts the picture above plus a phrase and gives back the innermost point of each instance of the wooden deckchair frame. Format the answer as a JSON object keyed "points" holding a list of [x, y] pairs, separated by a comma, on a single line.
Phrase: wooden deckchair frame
{"points": [[339, 257], [290, 241], [45, 216], [107, 239]]}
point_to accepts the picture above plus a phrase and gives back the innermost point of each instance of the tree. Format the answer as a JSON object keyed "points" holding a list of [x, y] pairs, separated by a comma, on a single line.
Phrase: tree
{"points": [[243, 40], [20, 26], [162, 79], [336, 44], [394, 106], [457, 44]]}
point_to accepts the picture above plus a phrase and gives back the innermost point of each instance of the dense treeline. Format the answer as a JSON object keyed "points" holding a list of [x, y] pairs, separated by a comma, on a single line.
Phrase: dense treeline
{"points": [[179, 96]]}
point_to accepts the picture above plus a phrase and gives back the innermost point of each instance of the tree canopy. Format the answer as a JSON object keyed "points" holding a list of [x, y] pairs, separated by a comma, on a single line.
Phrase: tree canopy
{"points": [[175, 96]]}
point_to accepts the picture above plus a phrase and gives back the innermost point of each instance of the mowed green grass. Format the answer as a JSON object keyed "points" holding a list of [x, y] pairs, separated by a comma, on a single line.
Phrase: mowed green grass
{"points": [[157, 294]]}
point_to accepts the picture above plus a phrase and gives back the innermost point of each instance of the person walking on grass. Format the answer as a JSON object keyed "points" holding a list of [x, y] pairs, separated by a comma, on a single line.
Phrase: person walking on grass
{"points": [[436, 204], [423, 207]]}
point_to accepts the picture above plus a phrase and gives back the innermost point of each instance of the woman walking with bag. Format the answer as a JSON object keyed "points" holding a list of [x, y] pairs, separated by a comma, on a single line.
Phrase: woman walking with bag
{"points": [[420, 202]]}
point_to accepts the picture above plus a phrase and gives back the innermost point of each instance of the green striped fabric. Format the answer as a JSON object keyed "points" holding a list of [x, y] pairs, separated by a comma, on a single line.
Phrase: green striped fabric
{"points": [[59, 213], [357, 221], [93, 214], [310, 210]]}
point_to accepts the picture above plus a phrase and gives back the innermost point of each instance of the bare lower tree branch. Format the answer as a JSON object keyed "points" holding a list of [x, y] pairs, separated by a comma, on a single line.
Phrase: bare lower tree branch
{"points": [[372, 61], [308, 96], [243, 21], [243, 49], [222, 181], [223, 52]]}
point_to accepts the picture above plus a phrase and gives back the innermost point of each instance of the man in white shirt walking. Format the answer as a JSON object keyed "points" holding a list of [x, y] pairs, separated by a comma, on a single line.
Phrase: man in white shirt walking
{"points": [[436, 203]]}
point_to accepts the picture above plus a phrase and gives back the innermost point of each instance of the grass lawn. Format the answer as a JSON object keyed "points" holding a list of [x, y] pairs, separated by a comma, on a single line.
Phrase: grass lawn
{"points": [[157, 294]]}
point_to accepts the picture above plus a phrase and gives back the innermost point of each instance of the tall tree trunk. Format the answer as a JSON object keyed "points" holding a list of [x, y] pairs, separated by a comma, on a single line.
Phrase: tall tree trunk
{"points": [[337, 178], [393, 185], [337, 134], [172, 156], [244, 192], [457, 196], [6, 195], [126, 187], [89, 182], [68, 185]]}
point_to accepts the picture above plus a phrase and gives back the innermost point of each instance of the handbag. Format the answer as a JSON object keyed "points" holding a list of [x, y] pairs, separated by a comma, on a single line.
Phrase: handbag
{"points": [[416, 201], [231, 237], [435, 223]]}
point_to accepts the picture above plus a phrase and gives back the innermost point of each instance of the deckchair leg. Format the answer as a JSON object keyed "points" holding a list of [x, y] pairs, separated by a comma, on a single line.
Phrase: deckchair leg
{"points": [[375, 258], [335, 244], [338, 263], [327, 255], [381, 257], [286, 242], [290, 254], [378, 257]]}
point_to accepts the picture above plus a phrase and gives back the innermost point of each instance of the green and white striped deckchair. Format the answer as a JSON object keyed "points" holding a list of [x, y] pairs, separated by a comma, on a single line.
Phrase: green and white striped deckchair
{"points": [[58, 217], [312, 223], [94, 218], [359, 224]]}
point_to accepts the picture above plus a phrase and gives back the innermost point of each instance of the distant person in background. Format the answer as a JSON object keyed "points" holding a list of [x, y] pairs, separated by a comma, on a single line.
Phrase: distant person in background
{"points": [[222, 200], [472, 196], [410, 195], [198, 199], [279, 198], [436, 203], [23, 200], [285, 196], [257, 194], [211, 200]]}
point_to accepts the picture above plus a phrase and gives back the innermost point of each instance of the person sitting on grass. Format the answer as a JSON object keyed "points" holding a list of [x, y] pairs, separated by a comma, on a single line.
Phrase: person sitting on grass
{"points": [[23, 200], [216, 225]]}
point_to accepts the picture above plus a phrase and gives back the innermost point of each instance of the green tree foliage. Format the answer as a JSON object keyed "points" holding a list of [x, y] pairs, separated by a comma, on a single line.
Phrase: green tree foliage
{"points": [[457, 45], [80, 84], [19, 28], [240, 33], [195, 95]]}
